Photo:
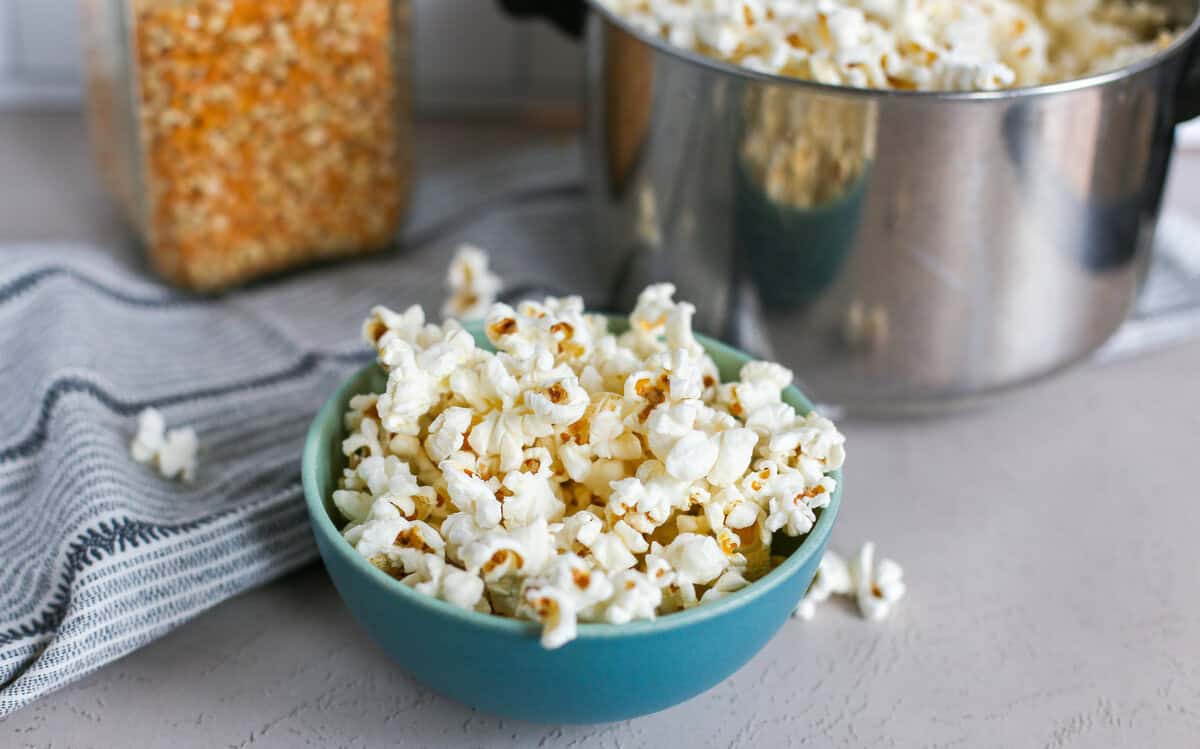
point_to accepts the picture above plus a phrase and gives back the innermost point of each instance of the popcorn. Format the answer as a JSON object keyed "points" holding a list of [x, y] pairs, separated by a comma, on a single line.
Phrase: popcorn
{"points": [[574, 474], [695, 558], [760, 384], [445, 581], [647, 498], [390, 541], [530, 497], [692, 456], [811, 445], [460, 530], [966, 45], [473, 288], [668, 424], [405, 326], [612, 554], [649, 316], [493, 556], [172, 452], [877, 585], [571, 588], [658, 570], [555, 609], [729, 509], [504, 434], [447, 433], [578, 532], [833, 576], [471, 494], [560, 403], [735, 450], [792, 508], [729, 582], [635, 596]]}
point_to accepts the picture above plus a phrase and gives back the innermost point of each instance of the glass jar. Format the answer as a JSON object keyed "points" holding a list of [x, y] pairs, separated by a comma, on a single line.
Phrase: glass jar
{"points": [[242, 137]]}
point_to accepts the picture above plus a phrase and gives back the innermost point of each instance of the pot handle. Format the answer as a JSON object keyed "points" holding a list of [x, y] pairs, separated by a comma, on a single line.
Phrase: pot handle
{"points": [[1187, 101], [567, 15]]}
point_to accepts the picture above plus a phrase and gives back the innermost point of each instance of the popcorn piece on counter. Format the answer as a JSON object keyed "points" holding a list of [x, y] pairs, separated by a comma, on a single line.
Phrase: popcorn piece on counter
{"points": [[876, 586], [833, 577], [573, 474], [472, 287], [172, 452]]}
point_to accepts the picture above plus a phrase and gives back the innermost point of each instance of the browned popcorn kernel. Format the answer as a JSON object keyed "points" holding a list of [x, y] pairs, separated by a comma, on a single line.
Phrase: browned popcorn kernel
{"points": [[504, 327]]}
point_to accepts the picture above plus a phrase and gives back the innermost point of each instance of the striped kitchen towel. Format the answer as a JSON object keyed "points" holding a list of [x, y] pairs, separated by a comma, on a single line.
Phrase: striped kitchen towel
{"points": [[99, 555]]}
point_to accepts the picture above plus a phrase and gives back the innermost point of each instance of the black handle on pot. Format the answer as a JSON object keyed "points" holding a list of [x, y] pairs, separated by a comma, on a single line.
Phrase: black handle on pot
{"points": [[567, 15], [1187, 101]]}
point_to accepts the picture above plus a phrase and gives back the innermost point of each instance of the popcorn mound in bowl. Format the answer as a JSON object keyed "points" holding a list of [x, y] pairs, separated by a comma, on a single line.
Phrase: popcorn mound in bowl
{"points": [[575, 474], [937, 45]]}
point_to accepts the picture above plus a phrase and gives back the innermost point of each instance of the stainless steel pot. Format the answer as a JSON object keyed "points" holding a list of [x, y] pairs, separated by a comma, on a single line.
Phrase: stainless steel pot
{"points": [[900, 250]]}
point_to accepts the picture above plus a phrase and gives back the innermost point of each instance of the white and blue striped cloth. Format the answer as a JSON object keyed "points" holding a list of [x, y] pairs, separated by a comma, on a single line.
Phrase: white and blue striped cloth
{"points": [[99, 555]]}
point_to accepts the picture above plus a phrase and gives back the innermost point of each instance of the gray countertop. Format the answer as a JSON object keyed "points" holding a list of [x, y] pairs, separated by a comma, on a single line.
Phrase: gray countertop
{"points": [[1049, 541]]}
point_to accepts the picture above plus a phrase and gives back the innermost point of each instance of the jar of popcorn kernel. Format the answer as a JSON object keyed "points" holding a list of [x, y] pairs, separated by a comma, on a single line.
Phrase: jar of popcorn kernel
{"points": [[242, 137]]}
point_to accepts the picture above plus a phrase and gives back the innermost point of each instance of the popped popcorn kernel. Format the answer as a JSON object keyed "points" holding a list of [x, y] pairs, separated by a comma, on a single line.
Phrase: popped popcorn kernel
{"points": [[172, 452], [833, 577], [472, 286], [966, 45], [876, 584], [574, 474], [879, 584]]}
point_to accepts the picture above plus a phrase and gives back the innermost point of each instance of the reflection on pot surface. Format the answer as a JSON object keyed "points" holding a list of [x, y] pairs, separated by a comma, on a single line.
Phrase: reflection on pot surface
{"points": [[799, 191], [899, 250]]}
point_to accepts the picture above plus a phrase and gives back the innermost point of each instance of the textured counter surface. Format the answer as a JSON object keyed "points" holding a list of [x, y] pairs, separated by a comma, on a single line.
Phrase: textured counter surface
{"points": [[1048, 540]]}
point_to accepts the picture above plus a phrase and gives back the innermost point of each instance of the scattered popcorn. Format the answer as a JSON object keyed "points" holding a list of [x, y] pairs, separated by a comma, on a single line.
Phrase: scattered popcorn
{"points": [[473, 288], [833, 576], [172, 452], [575, 474], [965, 45], [876, 586]]}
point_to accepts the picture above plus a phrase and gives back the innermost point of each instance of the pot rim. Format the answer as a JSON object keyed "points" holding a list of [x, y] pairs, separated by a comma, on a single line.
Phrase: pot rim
{"points": [[1180, 44]]}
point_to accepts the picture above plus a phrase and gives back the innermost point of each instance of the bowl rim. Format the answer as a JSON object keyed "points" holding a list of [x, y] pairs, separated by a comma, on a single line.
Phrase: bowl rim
{"points": [[331, 412], [1184, 38]]}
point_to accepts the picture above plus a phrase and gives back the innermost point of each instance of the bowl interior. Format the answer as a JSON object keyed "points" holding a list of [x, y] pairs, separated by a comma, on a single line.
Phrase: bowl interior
{"points": [[323, 462]]}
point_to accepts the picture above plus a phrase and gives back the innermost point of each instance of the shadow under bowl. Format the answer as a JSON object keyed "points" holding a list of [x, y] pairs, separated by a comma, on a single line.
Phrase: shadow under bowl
{"points": [[496, 664]]}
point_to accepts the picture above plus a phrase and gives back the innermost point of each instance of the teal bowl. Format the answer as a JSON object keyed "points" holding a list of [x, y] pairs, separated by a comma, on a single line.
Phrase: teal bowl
{"points": [[609, 672]]}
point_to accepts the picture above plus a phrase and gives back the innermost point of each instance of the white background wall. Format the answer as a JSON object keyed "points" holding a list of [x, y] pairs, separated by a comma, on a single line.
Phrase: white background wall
{"points": [[469, 56]]}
